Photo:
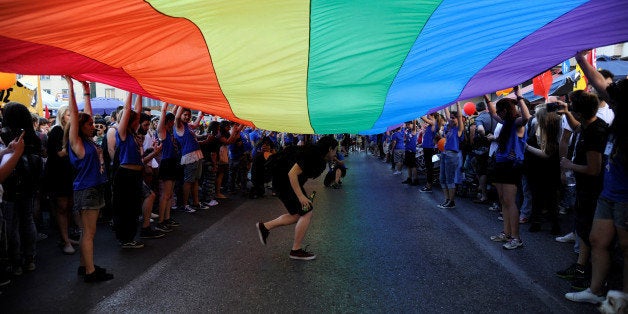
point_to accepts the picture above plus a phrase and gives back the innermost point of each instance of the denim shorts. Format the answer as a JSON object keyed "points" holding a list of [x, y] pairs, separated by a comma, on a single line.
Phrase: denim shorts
{"points": [[90, 198], [616, 211], [192, 171], [449, 163]]}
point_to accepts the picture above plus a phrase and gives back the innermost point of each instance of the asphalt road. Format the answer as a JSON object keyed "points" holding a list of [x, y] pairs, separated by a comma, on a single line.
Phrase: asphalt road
{"points": [[381, 247]]}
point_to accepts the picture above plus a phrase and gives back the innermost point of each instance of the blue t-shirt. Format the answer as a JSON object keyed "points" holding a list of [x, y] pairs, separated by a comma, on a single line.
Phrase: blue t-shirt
{"points": [[254, 136], [398, 138], [89, 168], [129, 150], [615, 186], [515, 148], [452, 141], [187, 142], [411, 141], [169, 147], [428, 138]]}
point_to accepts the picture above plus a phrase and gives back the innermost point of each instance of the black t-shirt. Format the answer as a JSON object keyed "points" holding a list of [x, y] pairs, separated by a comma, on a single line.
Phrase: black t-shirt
{"points": [[308, 159], [592, 138], [57, 167]]}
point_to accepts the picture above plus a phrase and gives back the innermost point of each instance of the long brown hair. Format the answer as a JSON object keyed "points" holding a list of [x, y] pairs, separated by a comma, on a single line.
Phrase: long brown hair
{"points": [[82, 119], [550, 127]]}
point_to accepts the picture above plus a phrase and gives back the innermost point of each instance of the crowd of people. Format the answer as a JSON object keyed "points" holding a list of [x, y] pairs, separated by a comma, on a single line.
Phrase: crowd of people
{"points": [[568, 154], [565, 155]]}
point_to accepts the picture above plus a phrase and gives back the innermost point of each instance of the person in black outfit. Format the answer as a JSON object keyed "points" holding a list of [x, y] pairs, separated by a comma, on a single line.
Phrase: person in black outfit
{"points": [[291, 169]]}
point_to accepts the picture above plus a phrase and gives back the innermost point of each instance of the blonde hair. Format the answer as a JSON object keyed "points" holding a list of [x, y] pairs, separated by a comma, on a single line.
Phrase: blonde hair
{"points": [[60, 113]]}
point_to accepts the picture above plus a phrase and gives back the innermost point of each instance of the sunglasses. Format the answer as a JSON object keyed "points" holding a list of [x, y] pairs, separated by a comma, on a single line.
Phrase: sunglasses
{"points": [[99, 126]]}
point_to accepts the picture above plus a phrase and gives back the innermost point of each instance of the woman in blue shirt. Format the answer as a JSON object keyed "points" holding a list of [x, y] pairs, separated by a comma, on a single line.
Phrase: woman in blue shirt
{"points": [[87, 158], [429, 148], [508, 162], [450, 161]]}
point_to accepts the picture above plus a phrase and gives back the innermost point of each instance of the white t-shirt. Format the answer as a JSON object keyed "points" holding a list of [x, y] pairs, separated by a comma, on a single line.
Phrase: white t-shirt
{"points": [[495, 144]]}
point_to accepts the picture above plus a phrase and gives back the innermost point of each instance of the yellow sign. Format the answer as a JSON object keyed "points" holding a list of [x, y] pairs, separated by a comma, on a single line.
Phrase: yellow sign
{"points": [[581, 82], [18, 93]]}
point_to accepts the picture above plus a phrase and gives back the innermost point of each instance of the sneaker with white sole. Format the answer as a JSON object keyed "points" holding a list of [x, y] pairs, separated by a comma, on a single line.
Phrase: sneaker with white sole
{"points": [[513, 244], [68, 249], [132, 245], [584, 296], [262, 232], [189, 209], [441, 205], [502, 237], [301, 254], [569, 237]]}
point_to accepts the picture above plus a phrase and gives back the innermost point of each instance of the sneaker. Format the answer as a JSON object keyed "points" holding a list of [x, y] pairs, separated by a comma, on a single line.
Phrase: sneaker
{"points": [[17, 270], [500, 217], [571, 272], [502, 237], [201, 206], [29, 266], [210, 203], [80, 271], [154, 216], [441, 205], [513, 244], [524, 220], [262, 232], [569, 237], [449, 205], [189, 209], [584, 296], [150, 233], [426, 189], [172, 223], [396, 172], [163, 227], [132, 245], [580, 284], [494, 207], [176, 208], [41, 236], [68, 249], [4, 279], [97, 276], [301, 254]]}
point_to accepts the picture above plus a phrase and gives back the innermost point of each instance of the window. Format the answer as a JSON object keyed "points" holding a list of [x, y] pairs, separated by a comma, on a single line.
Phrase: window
{"points": [[44, 77], [110, 92], [46, 91], [65, 91]]}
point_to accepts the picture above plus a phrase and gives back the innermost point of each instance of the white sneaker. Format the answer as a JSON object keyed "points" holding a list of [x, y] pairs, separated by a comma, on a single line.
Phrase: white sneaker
{"points": [[153, 215], [513, 244], [213, 203], [397, 172], [584, 296], [569, 237], [68, 249]]}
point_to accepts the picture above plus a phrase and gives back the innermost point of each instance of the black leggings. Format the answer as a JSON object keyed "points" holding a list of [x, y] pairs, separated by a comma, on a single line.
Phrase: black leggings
{"points": [[428, 153], [127, 202]]}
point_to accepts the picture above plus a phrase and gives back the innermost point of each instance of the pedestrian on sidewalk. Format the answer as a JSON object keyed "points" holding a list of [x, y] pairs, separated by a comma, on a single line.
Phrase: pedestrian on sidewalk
{"points": [[291, 169]]}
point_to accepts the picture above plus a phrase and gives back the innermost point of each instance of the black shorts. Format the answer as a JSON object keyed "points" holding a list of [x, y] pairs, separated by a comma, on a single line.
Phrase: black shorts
{"points": [[170, 170], [506, 173], [481, 164], [410, 159], [584, 208]]}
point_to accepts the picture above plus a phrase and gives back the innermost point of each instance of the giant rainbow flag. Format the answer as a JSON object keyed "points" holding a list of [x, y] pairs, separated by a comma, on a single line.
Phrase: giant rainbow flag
{"points": [[318, 66]]}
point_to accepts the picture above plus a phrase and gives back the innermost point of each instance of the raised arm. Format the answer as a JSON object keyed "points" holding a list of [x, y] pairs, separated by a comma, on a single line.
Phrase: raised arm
{"points": [[595, 78], [523, 108], [198, 120], [126, 115], [459, 118], [161, 126], [138, 105], [87, 97], [73, 136], [491, 109]]}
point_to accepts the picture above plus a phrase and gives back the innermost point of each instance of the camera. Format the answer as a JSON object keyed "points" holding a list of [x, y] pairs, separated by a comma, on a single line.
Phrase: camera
{"points": [[552, 106]]}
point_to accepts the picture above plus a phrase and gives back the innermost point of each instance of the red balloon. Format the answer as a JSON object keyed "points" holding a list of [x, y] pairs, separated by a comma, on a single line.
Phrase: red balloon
{"points": [[441, 144], [469, 108]]}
